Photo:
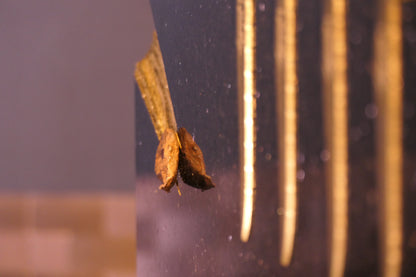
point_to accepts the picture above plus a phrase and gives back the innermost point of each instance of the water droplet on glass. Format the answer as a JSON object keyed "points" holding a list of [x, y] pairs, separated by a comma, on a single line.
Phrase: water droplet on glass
{"points": [[356, 134], [268, 156], [325, 155], [371, 111], [260, 262], [301, 158], [228, 85], [262, 7], [356, 38], [206, 110], [300, 174], [230, 238], [299, 27]]}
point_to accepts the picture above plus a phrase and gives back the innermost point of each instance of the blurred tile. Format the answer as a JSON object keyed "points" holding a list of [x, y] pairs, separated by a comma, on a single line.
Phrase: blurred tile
{"points": [[119, 216], [81, 214], [72, 235]]}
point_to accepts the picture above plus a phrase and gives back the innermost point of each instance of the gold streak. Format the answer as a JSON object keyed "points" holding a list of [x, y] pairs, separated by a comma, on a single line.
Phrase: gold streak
{"points": [[388, 94], [336, 122], [246, 62], [285, 64], [151, 78]]}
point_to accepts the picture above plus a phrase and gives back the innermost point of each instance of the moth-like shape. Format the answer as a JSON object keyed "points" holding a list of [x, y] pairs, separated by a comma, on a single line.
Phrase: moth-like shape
{"points": [[180, 151], [191, 163], [167, 159]]}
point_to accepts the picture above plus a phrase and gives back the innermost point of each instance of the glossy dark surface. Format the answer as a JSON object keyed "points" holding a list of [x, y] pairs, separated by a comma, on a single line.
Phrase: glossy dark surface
{"points": [[198, 234]]}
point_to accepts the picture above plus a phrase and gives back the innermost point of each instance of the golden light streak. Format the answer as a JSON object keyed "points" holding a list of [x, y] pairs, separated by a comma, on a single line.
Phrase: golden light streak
{"points": [[336, 122], [285, 65], [388, 94], [246, 62]]}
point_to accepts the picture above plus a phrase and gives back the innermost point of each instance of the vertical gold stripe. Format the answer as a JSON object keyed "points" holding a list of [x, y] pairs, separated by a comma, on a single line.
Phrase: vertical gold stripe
{"points": [[388, 95], [246, 62], [285, 68], [335, 116]]}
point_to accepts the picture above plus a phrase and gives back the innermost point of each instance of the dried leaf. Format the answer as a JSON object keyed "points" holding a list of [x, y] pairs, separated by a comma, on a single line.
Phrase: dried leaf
{"points": [[191, 163], [175, 150], [166, 162], [151, 79]]}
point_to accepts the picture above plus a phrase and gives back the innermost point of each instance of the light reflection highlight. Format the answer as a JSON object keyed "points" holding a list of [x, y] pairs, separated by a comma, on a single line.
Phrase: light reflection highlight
{"points": [[388, 94], [335, 95], [285, 68], [246, 62]]}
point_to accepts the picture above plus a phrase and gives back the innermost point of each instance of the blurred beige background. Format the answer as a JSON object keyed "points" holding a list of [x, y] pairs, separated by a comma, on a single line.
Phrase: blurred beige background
{"points": [[67, 92], [67, 174]]}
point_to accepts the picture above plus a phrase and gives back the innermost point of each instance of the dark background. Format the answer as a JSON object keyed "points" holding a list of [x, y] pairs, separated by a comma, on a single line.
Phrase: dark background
{"points": [[198, 234]]}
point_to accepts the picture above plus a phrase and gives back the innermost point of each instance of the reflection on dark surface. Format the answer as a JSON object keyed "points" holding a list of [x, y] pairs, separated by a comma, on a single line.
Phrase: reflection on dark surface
{"points": [[197, 234]]}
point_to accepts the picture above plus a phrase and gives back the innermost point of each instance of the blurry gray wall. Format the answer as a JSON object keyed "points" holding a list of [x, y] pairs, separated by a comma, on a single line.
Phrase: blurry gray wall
{"points": [[67, 92]]}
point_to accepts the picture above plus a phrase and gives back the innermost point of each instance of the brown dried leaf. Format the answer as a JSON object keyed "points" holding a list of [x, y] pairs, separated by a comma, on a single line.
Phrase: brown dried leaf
{"points": [[151, 78], [166, 162], [191, 163]]}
